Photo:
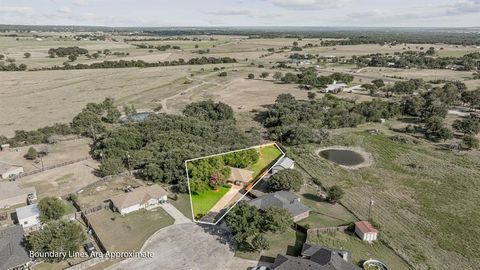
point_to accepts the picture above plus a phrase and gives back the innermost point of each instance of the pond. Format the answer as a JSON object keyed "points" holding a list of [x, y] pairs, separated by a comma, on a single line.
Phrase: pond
{"points": [[343, 157], [139, 117]]}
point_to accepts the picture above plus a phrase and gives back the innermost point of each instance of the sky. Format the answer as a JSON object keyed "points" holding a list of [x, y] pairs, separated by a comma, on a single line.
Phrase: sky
{"points": [[375, 13]]}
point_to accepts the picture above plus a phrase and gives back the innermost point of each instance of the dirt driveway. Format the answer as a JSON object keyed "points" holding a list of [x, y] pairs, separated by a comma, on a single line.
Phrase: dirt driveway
{"points": [[188, 247]]}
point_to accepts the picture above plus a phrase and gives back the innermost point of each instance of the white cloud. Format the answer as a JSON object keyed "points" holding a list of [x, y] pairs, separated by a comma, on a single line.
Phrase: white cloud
{"points": [[309, 4], [228, 12], [18, 10]]}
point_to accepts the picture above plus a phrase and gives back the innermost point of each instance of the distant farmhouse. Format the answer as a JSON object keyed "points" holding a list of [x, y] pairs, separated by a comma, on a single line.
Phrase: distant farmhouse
{"points": [[13, 254], [335, 87], [240, 177], [284, 163], [285, 200], [11, 194], [29, 217], [140, 198], [366, 231], [316, 258], [8, 170]]}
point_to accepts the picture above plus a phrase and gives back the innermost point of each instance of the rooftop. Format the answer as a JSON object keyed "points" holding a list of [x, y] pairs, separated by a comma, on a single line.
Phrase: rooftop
{"points": [[138, 196], [280, 199], [28, 211], [285, 163], [12, 248], [365, 227], [238, 174]]}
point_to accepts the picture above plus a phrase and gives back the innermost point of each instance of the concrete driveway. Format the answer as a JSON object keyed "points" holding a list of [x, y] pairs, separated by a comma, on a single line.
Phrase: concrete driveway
{"points": [[188, 246]]}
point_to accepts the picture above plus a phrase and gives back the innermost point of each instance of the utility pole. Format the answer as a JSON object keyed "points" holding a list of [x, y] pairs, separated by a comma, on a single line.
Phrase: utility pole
{"points": [[370, 208]]}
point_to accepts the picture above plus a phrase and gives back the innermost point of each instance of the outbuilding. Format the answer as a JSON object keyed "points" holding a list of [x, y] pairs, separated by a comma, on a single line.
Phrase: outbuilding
{"points": [[284, 163], [366, 231], [29, 217]]}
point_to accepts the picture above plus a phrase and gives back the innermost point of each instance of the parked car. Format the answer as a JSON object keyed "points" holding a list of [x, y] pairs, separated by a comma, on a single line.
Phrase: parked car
{"points": [[89, 248]]}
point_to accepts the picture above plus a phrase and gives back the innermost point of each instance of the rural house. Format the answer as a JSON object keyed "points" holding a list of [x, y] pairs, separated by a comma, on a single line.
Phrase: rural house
{"points": [[140, 198], [240, 177], [29, 217], [13, 254], [366, 231], [8, 170], [282, 199], [284, 163], [316, 258], [11, 194], [334, 87]]}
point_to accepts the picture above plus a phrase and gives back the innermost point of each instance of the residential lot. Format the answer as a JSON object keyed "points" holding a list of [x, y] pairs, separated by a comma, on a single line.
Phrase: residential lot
{"points": [[128, 232]]}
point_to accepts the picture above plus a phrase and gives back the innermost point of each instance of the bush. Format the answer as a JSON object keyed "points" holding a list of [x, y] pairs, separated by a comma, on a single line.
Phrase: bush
{"points": [[31, 153], [251, 76], [222, 74], [334, 193], [51, 208]]}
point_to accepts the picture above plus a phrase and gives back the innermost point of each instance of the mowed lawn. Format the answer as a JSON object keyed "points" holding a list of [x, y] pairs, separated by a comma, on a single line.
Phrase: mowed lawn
{"points": [[128, 232], [361, 250], [203, 202], [289, 242], [268, 154]]}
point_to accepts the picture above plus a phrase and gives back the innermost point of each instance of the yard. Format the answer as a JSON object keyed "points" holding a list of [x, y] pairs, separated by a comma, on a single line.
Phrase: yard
{"points": [[422, 193], [360, 250], [202, 203], [268, 154], [323, 214], [128, 232], [289, 243]]}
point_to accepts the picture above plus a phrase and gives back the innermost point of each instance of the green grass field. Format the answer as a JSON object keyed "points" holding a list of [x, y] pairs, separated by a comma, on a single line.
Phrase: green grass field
{"points": [[202, 203], [128, 232], [268, 155], [289, 242], [426, 198], [361, 250]]}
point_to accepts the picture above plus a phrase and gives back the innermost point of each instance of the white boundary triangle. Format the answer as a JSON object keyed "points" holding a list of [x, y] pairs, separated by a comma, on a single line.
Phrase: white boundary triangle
{"points": [[259, 179]]}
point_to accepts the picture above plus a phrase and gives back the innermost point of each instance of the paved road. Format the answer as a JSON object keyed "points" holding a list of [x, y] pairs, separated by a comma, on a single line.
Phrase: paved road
{"points": [[188, 247], [177, 215]]}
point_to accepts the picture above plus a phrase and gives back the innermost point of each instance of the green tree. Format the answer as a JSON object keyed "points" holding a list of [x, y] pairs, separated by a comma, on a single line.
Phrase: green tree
{"points": [[51, 208], [88, 123], [31, 153], [259, 242], [378, 83], [72, 57], [57, 236], [113, 114], [264, 75], [27, 55], [276, 220], [222, 74], [209, 110], [434, 129], [111, 166], [251, 76], [334, 193], [287, 179], [277, 76], [469, 125], [470, 142], [311, 95], [243, 220]]}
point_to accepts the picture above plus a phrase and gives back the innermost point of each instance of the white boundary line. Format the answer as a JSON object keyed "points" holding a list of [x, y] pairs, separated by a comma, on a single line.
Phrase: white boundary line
{"points": [[231, 207]]}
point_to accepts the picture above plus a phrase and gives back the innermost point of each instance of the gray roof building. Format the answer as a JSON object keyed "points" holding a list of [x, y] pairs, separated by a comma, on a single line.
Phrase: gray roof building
{"points": [[282, 199], [316, 258], [284, 163], [12, 248]]}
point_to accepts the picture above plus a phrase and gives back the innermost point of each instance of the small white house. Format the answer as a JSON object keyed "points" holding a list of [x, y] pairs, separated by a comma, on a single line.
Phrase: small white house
{"points": [[366, 231], [140, 198], [335, 87], [8, 170], [284, 163], [29, 217]]}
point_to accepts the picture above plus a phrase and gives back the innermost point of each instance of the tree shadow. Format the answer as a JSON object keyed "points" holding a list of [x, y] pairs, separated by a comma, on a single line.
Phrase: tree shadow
{"points": [[295, 250], [312, 197], [222, 235]]}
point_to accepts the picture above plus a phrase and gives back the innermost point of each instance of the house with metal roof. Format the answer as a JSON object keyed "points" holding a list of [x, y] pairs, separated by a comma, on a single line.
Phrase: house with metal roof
{"points": [[285, 200], [335, 87], [13, 252], [366, 231], [284, 163], [316, 258]]}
